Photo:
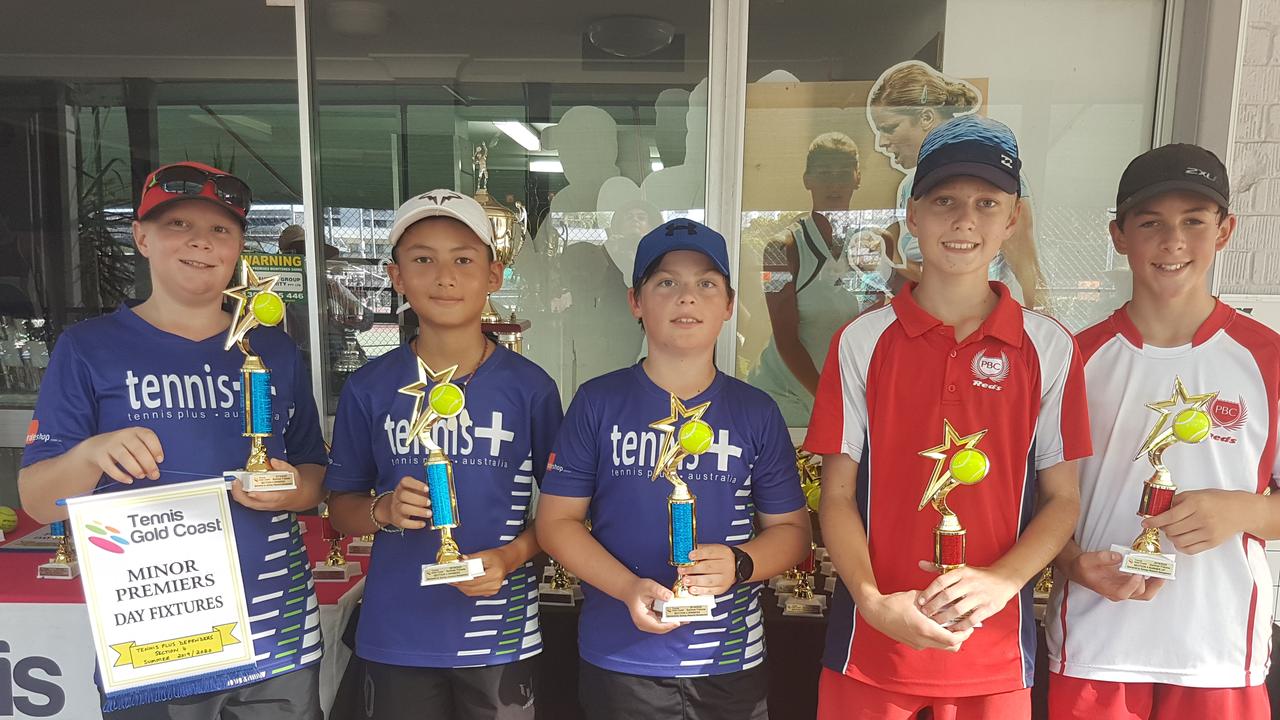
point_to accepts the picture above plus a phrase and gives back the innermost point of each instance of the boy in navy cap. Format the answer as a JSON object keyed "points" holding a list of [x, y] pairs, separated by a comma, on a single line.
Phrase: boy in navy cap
{"points": [[751, 521], [951, 363]]}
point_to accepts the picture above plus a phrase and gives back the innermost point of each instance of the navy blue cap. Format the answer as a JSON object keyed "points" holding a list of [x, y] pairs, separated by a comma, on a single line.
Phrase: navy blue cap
{"points": [[679, 234], [972, 146]]}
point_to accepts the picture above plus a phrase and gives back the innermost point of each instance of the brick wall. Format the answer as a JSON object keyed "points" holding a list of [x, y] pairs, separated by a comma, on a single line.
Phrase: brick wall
{"points": [[1251, 264]]}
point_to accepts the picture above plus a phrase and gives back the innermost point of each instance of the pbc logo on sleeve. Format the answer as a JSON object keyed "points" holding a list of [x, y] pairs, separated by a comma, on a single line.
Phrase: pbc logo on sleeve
{"points": [[1229, 416], [989, 370]]}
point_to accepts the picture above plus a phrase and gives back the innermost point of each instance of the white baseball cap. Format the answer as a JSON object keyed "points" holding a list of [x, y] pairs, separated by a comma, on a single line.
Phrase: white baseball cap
{"points": [[442, 202]]}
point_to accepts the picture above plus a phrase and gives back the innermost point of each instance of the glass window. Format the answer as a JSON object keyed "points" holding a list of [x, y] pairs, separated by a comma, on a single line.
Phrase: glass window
{"points": [[594, 127], [92, 99], [833, 133]]}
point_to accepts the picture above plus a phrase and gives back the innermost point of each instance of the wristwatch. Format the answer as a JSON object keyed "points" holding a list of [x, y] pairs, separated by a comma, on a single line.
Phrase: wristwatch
{"points": [[743, 566]]}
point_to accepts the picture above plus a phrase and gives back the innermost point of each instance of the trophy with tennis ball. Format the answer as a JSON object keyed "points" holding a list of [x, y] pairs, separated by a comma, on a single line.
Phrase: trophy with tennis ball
{"points": [[436, 400], [958, 462], [1183, 419], [684, 433], [257, 305]]}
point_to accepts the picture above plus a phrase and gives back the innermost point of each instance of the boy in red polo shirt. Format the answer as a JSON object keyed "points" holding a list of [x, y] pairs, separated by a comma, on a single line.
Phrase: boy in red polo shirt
{"points": [[952, 362], [1197, 646]]}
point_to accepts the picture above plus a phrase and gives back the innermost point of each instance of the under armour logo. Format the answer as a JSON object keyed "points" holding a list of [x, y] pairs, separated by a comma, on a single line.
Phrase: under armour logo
{"points": [[686, 226], [441, 198], [1202, 173], [1006, 161]]}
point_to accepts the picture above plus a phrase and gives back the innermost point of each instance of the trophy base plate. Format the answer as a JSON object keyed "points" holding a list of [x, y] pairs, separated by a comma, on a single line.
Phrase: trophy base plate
{"points": [[262, 480], [1148, 564], [826, 567], [334, 573], [783, 585], [830, 584], [58, 571], [810, 607], [564, 597], [690, 608], [821, 555], [452, 572], [360, 547]]}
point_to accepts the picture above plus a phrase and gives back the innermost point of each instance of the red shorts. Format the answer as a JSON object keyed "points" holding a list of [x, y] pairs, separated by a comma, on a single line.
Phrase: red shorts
{"points": [[1101, 700], [842, 698]]}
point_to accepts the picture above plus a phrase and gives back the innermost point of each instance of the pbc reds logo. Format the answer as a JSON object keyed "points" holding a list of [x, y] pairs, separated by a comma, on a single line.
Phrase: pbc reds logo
{"points": [[988, 370], [1229, 415]]}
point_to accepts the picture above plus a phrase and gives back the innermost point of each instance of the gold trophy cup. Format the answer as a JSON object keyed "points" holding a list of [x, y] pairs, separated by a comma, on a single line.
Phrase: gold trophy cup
{"points": [[509, 235]]}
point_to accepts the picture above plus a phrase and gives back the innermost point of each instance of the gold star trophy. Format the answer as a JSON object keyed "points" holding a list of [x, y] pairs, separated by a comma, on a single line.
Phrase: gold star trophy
{"points": [[257, 304], [335, 567], [959, 462], [692, 437], [1182, 419], [445, 401]]}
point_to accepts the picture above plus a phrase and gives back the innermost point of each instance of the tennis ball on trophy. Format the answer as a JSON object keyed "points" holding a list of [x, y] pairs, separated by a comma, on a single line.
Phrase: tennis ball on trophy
{"points": [[446, 399], [1191, 425], [268, 308], [969, 466], [813, 496], [8, 519], [695, 437]]}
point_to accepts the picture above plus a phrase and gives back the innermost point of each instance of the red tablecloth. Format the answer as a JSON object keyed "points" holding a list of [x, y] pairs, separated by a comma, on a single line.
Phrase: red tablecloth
{"points": [[18, 582]]}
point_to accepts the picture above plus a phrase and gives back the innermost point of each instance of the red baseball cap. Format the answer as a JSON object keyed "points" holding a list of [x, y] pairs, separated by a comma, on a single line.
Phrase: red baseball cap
{"points": [[191, 180]]}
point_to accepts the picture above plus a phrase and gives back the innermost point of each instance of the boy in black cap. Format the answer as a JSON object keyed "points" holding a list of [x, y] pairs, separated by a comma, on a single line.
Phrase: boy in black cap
{"points": [[1198, 645]]}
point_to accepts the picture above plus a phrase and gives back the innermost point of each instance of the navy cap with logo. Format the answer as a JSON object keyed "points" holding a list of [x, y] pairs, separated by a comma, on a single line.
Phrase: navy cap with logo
{"points": [[969, 145], [679, 234], [1173, 168]]}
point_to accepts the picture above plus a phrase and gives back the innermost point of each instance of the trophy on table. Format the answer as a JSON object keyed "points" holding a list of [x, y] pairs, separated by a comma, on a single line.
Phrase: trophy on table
{"points": [[362, 545], [802, 600], [509, 235], [257, 304], [445, 401], [335, 567], [63, 565], [966, 465], [692, 437], [558, 586], [1182, 419]]}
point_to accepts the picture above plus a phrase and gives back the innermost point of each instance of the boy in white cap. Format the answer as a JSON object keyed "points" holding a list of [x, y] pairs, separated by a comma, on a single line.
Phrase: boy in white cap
{"points": [[460, 650]]}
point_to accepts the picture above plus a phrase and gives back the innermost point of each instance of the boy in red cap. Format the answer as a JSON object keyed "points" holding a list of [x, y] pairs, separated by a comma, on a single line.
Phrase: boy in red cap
{"points": [[147, 395]]}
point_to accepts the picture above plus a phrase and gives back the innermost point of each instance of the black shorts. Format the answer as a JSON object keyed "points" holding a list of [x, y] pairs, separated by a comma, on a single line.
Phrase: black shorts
{"points": [[292, 696], [608, 695], [495, 692]]}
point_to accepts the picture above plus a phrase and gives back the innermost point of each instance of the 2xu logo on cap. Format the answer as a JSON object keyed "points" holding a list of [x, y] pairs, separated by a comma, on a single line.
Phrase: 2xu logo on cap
{"points": [[1202, 173]]}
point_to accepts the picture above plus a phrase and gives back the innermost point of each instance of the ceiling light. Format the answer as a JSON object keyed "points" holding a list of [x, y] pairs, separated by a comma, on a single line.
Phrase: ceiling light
{"points": [[545, 166], [521, 133], [630, 36]]}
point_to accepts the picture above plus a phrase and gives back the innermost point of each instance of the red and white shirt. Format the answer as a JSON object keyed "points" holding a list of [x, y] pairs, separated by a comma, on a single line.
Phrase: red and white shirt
{"points": [[891, 377], [1211, 626]]}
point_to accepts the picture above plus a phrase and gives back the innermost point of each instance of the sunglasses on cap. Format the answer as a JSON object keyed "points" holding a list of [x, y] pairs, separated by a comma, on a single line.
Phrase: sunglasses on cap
{"points": [[187, 180]]}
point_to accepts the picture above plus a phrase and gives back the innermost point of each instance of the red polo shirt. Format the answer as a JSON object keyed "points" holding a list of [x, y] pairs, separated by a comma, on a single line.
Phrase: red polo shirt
{"points": [[891, 377]]}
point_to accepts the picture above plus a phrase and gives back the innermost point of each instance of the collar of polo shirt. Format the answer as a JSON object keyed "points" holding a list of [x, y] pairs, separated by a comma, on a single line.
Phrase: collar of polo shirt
{"points": [[1004, 323]]}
